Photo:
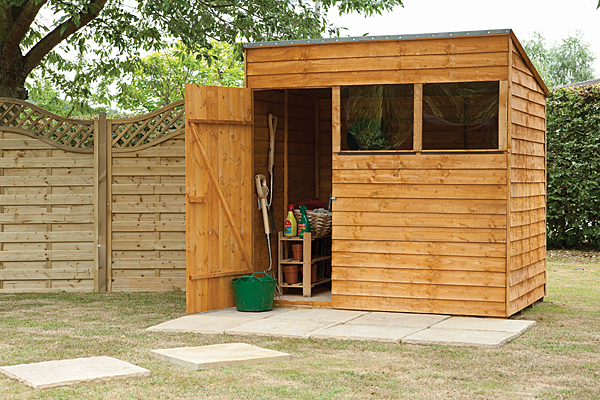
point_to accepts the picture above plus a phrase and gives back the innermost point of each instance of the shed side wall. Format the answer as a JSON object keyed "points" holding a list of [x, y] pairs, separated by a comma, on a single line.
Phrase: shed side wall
{"points": [[527, 275], [479, 58], [420, 233]]}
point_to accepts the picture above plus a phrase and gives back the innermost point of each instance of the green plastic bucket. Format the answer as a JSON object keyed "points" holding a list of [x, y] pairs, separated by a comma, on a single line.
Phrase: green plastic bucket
{"points": [[253, 293]]}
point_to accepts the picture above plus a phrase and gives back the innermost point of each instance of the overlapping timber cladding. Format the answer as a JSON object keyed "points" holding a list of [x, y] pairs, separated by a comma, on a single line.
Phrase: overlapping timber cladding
{"points": [[433, 147], [91, 204]]}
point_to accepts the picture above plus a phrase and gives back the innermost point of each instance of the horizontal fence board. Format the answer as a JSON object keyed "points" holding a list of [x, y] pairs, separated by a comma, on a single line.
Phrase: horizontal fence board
{"points": [[45, 181], [46, 218], [158, 188], [155, 170], [24, 144], [48, 255], [47, 162], [149, 207], [148, 284], [148, 245], [33, 237], [62, 273], [46, 199], [135, 263], [149, 226], [411, 261]]}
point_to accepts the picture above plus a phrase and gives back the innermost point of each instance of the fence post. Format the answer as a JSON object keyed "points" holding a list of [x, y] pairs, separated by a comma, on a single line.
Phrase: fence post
{"points": [[101, 154]]}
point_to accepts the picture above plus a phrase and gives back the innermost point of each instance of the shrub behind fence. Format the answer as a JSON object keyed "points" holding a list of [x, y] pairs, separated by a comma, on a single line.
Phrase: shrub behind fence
{"points": [[574, 167]]}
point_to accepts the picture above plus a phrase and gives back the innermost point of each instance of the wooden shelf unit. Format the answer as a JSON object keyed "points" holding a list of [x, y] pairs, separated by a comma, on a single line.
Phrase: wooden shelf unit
{"points": [[307, 261]]}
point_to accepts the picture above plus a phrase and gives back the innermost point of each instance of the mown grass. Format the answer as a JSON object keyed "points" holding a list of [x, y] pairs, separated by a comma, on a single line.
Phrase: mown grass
{"points": [[558, 359]]}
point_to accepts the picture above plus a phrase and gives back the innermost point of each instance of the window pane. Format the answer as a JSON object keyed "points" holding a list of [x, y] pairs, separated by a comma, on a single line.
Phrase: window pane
{"points": [[460, 115], [377, 117]]}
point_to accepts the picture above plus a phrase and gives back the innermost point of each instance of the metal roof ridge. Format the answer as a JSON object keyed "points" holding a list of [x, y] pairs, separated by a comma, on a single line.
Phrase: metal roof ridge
{"points": [[376, 38]]}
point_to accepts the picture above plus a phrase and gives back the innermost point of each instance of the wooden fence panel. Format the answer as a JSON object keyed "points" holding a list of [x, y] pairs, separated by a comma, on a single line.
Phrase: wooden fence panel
{"points": [[46, 201], [91, 205], [148, 218]]}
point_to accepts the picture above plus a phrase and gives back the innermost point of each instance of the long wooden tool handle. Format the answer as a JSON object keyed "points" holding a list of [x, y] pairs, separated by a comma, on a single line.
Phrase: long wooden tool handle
{"points": [[272, 129], [232, 223]]}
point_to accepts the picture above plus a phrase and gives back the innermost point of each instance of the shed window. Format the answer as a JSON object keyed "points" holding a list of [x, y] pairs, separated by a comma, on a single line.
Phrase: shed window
{"points": [[460, 115], [377, 117]]}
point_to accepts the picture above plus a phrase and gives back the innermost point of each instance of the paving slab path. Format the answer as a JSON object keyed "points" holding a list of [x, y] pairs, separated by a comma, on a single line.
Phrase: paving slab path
{"points": [[323, 323], [50, 374], [219, 355]]}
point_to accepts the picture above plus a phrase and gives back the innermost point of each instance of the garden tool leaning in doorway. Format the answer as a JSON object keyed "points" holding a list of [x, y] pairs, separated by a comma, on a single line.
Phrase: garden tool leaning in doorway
{"points": [[262, 190], [270, 166]]}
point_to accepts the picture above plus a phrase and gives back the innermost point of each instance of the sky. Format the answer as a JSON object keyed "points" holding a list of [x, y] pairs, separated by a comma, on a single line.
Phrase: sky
{"points": [[553, 18]]}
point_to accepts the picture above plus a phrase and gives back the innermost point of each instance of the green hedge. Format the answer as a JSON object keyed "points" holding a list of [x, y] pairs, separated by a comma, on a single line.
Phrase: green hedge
{"points": [[573, 127]]}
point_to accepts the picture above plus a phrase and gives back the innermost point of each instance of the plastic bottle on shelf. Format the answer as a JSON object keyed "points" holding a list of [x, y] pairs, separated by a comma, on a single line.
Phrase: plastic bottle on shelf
{"points": [[290, 226], [304, 224]]}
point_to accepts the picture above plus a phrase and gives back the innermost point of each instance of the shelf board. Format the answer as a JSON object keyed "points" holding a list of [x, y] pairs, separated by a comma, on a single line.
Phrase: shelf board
{"points": [[299, 239], [314, 260], [320, 258], [291, 261], [300, 286]]}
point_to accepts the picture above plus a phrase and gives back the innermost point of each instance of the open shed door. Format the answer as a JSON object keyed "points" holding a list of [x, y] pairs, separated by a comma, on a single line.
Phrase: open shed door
{"points": [[219, 184]]}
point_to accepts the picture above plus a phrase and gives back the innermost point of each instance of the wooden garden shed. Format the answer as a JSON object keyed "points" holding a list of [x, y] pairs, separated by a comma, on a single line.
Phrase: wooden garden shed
{"points": [[433, 147]]}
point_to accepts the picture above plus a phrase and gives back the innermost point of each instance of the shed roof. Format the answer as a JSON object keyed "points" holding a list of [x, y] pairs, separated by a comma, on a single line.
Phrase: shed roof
{"points": [[376, 38], [520, 49]]}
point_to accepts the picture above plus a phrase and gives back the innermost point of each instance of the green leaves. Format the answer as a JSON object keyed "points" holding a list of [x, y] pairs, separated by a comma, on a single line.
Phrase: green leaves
{"points": [[159, 78], [573, 137], [562, 63]]}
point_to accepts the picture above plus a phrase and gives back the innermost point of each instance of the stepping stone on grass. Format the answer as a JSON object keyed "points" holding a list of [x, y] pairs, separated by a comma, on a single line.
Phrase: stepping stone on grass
{"points": [[219, 355], [50, 374]]}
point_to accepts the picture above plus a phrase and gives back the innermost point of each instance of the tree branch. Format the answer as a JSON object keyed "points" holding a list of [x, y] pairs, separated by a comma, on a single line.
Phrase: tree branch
{"points": [[52, 39], [20, 28]]}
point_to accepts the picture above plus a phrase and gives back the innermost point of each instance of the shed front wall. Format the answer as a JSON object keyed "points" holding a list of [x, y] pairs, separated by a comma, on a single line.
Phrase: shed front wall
{"points": [[420, 233], [452, 59]]}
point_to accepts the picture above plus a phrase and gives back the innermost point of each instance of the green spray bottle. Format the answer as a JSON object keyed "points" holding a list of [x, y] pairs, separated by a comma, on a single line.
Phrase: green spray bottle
{"points": [[304, 224]]}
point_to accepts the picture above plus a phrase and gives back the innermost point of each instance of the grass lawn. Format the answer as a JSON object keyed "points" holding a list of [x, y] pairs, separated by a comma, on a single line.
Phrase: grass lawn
{"points": [[557, 359]]}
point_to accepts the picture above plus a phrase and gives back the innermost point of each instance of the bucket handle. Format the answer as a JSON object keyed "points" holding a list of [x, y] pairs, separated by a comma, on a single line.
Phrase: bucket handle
{"points": [[254, 273]]}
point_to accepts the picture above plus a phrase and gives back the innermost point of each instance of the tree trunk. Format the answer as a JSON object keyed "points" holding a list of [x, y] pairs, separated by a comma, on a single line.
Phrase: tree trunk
{"points": [[13, 73]]}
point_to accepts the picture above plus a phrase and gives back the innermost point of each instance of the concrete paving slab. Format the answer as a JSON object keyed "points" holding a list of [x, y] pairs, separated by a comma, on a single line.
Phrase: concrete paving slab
{"points": [[279, 327], [219, 355], [75, 371], [403, 320], [460, 337], [233, 312], [201, 323], [319, 315], [378, 333], [486, 324]]}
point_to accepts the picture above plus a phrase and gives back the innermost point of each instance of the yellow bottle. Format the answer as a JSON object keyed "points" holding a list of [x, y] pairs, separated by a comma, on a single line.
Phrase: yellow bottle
{"points": [[290, 226]]}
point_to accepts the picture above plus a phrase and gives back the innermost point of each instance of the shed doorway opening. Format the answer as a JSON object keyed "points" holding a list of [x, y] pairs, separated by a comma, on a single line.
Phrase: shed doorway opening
{"points": [[302, 173]]}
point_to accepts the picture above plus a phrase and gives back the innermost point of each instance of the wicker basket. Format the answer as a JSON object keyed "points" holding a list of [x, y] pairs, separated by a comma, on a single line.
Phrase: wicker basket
{"points": [[320, 224]]}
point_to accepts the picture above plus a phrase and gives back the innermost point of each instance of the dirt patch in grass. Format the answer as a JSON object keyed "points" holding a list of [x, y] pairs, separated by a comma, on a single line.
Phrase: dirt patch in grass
{"points": [[558, 359]]}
